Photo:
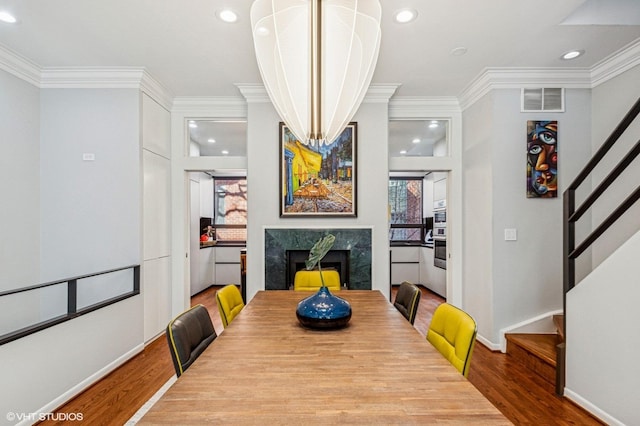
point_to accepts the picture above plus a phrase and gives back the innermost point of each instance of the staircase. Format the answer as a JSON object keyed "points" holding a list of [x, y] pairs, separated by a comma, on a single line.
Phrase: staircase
{"points": [[545, 354], [572, 247], [538, 352]]}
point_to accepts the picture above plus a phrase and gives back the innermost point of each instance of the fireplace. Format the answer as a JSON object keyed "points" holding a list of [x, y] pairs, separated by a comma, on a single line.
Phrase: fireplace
{"points": [[334, 259], [356, 242]]}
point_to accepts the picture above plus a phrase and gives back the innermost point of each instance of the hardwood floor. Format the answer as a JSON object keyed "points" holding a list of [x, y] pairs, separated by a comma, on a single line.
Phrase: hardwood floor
{"points": [[117, 397], [521, 395]]}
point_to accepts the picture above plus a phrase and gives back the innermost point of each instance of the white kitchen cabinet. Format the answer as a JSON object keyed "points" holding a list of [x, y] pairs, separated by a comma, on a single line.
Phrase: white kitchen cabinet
{"points": [[206, 270], [405, 265], [206, 195], [401, 272], [156, 216], [227, 265], [440, 187], [426, 258], [432, 277]]}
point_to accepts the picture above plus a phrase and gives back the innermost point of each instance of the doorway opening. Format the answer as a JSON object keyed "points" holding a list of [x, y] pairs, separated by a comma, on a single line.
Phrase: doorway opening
{"points": [[217, 228]]}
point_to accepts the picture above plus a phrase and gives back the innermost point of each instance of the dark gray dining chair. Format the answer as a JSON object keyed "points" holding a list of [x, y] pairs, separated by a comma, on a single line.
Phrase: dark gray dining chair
{"points": [[189, 334], [407, 300]]}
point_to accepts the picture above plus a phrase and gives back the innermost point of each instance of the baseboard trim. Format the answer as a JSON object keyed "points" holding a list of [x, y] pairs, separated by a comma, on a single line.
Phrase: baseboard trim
{"points": [[52, 406], [492, 346], [591, 408]]}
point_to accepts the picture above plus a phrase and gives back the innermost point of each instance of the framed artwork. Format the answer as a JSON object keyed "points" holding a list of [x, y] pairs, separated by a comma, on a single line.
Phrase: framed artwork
{"points": [[318, 180], [542, 159]]}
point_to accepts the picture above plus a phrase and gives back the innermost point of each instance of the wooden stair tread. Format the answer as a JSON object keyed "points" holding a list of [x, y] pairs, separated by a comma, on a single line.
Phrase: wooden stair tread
{"points": [[541, 345], [558, 320]]}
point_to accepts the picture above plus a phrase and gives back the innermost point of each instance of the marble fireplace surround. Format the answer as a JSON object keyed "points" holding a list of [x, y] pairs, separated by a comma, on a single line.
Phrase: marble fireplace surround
{"points": [[278, 240]]}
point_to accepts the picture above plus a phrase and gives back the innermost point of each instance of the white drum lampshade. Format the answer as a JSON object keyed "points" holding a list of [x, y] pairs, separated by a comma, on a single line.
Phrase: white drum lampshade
{"points": [[349, 36]]}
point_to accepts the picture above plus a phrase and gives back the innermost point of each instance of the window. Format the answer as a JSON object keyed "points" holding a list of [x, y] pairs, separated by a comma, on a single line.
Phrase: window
{"points": [[418, 138], [217, 138], [405, 205], [230, 209]]}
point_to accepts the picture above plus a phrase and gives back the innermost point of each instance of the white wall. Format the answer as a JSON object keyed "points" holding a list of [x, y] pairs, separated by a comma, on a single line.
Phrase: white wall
{"points": [[91, 221], [20, 195], [90, 210], [525, 276], [19, 183], [262, 185], [606, 380], [477, 220], [611, 101], [528, 272]]}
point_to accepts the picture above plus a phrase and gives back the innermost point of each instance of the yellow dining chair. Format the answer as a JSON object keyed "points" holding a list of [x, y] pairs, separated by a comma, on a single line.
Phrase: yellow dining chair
{"points": [[189, 334], [453, 333], [310, 280], [229, 303], [407, 300]]}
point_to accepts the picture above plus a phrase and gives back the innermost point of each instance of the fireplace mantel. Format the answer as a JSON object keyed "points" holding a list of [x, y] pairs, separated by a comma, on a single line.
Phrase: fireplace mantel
{"points": [[278, 240]]}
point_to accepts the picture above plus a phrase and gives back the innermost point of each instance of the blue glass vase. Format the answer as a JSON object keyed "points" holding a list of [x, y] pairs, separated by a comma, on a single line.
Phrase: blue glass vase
{"points": [[323, 311]]}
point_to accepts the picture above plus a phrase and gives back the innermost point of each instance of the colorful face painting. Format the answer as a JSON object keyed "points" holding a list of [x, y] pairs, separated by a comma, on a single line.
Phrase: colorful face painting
{"points": [[542, 159]]}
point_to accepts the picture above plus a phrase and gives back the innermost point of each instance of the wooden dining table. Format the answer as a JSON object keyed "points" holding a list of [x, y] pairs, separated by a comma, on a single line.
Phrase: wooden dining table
{"points": [[265, 368]]}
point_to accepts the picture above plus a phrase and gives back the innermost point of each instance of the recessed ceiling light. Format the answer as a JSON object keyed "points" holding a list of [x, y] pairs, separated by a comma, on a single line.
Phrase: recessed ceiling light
{"points": [[416, 140], [227, 15], [433, 124], [225, 152], [192, 124], [572, 54], [404, 151], [211, 140], [459, 51], [7, 17], [404, 16]]}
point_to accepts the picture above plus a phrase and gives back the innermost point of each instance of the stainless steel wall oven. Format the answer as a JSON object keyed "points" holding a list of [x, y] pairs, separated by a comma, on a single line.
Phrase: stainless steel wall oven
{"points": [[440, 252], [440, 234]]}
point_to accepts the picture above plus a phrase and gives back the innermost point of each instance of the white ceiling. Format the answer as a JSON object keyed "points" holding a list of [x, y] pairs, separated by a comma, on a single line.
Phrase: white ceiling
{"points": [[189, 50], [192, 53]]}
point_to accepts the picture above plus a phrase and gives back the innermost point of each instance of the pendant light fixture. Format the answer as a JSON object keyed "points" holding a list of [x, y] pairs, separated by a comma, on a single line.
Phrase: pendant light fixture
{"points": [[316, 58]]}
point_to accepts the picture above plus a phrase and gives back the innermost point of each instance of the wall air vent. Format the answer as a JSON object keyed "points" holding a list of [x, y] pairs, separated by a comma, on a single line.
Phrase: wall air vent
{"points": [[542, 99]]}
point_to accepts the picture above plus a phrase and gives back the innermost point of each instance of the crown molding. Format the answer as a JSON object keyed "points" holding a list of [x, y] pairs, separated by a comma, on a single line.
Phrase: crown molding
{"points": [[489, 79], [572, 78], [421, 107], [19, 66], [614, 65], [380, 93], [152, 87], [91, 77], [210, 106], [84, 77], [517, 78], [106, 78], [253, 92], [377, 93]]}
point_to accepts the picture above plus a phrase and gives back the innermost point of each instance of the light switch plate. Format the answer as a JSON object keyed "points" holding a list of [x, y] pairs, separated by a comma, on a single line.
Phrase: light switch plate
{"points": [[88, 156], [510, 234]]}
